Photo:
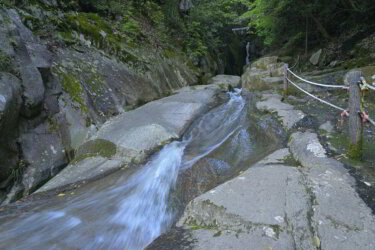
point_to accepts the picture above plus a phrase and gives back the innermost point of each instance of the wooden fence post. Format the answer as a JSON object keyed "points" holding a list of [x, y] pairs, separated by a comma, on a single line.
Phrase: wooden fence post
{"points": [[285, 79], [355, 107]]}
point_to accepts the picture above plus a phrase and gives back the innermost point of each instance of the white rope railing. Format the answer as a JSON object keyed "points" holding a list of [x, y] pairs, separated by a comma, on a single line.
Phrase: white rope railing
{"points": [[371, 121], [315, 97], [369, 86], [325, 102], [318, 84], [365, 84]]}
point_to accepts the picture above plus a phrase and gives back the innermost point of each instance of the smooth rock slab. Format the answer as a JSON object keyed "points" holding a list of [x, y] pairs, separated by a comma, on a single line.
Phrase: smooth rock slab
{"points": [[339, 216], [86, 169], [266, 207], [273, 206], [132, 136], [327, 126], [226, 80], [288, 115]]}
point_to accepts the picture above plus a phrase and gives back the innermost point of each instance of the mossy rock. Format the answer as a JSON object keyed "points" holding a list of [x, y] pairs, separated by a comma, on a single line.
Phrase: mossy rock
{"points": [[71, 85], [6, 64], [97, 147]]}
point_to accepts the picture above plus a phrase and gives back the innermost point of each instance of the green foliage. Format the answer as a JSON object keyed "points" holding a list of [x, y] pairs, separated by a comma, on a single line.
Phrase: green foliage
{"points": [[207, 26], [278, 20]]}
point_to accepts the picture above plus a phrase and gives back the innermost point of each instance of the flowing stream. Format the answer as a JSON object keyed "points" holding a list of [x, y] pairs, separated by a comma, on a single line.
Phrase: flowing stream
{"points": [[127, 211]]}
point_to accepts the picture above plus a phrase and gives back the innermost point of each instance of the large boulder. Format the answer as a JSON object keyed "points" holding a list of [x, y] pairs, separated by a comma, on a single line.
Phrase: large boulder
{"points": [[59, 95], [339, 215], [312, 205], [10, 103], [265, 73], [131, 137], [266, 205], [315, 58], [225, 81], [44, 154], [288, 115]]}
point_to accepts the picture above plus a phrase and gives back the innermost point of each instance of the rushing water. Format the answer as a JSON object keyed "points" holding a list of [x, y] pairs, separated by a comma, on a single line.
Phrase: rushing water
{"points": [[131, 211]]}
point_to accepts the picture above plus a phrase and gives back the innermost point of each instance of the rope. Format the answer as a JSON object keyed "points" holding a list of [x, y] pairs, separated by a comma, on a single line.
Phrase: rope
{"points": [[369, 86], [364, 84], [371, 121], [318, 84], [317, 98]]}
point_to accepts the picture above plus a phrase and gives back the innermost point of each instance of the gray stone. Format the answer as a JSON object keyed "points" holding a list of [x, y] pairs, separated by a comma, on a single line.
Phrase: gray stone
{"points": [[314, 59], [282, 207], [33, 88], [186, 5], [288, 115], [276, 157], [39, 55], [10, 103], [266, 206], [265, 73], [10, 100], [340, 217], [226, 80], [44, 154], [74, 123], [264, 62], [327, 126], [86, 169], [133, 136]]}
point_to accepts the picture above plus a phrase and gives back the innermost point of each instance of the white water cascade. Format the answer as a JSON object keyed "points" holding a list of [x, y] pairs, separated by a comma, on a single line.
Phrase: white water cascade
{"points": [[132, 211]]}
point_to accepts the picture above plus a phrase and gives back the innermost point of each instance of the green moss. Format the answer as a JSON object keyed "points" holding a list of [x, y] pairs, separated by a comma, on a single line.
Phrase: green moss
{"points": [[53, 125], [71, 85], [217, 234], [130, 26], [17, 171], [195, 226], [67, 37], [363, 151], [5, 62], [291, 161], [90, 25], [358, 62], [97, 147], [355, 151], [96, 83]]}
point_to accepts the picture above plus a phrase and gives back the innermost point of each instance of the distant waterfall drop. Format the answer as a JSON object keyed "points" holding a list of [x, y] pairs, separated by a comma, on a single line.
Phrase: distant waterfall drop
{"points": [[247, 53]]}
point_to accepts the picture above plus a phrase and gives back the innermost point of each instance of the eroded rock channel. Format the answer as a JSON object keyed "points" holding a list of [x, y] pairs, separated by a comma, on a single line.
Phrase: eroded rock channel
{"points": [[110, 213]]}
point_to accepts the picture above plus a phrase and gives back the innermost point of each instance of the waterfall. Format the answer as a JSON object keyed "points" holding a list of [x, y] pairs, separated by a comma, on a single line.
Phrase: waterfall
{"points": [[133, 210], [248, 53]]}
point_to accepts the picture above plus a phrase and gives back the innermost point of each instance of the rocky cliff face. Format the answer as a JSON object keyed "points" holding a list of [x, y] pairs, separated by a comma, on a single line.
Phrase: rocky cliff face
{"points": [[62, 75]]}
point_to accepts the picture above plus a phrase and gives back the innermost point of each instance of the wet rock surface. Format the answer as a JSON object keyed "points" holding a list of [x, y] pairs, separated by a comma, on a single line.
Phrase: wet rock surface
{"points": [[265, 73], [283, 207], [69, 88], [225, 80], [132, 136], [288, 115]]}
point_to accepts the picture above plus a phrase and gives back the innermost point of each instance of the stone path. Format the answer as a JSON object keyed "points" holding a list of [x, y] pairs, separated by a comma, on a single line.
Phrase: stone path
{"points": [[274, 205]]}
